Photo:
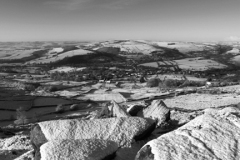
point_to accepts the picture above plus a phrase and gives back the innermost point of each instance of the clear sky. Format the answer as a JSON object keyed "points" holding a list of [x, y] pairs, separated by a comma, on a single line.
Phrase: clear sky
{"points": [[80, 20]]}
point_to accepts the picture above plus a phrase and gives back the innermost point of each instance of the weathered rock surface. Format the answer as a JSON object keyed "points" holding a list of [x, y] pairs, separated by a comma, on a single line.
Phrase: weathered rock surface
{"points": [[103, 113], [112, 110], [13, 147], [117, 110], [18, 142], [84, 149], [157, 110], [179, 117], [213, 135], [202, 101], [123, 131]]}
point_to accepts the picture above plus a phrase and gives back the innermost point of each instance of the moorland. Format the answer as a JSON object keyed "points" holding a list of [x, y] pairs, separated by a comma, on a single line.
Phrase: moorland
{"points": [[158, 88]]}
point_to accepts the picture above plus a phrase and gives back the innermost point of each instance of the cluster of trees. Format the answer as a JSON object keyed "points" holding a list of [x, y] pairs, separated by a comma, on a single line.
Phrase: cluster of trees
{"points": [[173, 83], [220, 49], [12, 61], [88, 74], [91, 58]]}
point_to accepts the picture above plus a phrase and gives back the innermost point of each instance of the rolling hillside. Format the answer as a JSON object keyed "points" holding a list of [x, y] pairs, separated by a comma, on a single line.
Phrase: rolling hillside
{"points": [[148, 53]]}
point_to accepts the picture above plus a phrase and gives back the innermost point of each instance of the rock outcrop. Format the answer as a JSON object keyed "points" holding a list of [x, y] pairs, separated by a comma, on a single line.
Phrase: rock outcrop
{"points": [[181, 117], [213, 135], [134, 109], [84, 149], [112, 110], [14, 146], [123, 130], [117, 110], [157, 110]]}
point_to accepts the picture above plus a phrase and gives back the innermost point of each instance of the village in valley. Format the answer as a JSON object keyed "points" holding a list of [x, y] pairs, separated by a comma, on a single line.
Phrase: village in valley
{"points": [[130, 92]]}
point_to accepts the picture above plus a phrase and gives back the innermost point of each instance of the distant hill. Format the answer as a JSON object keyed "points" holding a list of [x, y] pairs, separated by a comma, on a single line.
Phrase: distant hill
{"points": [[116, 50]]}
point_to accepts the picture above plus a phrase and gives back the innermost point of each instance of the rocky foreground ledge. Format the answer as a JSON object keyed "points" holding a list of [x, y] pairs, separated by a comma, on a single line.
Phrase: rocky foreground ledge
{"points": [[214, 135], [92, 149], [123, 131], [152, 132]]}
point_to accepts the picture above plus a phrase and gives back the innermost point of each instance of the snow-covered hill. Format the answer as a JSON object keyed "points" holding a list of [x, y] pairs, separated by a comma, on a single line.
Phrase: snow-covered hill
{"points": [[16, 54], [52, 52], [56, 56], [127, 46]]}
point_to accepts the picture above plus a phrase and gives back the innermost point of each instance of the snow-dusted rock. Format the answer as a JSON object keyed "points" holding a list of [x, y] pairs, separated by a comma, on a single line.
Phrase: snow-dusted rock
{"points": [[123, 130], [81, 149], [157, 110], [213, 135], [181, 117], [117, 110], [17, 142], [112, 110], [13, 147]]}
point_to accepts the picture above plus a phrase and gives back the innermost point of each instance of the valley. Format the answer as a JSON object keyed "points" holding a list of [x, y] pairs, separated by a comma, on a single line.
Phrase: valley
{"points": [[111, 85]]}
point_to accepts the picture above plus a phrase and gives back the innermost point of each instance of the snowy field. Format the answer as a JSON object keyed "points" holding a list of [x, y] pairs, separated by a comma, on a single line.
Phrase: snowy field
{"points": [[199, 64], [53, 57], [130, 46], [16, 54], [66, 69], [196, 64], [183, 47]]}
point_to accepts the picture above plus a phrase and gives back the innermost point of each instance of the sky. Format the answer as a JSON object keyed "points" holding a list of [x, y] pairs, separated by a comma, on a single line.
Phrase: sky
{"points": [[93, 20]]}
